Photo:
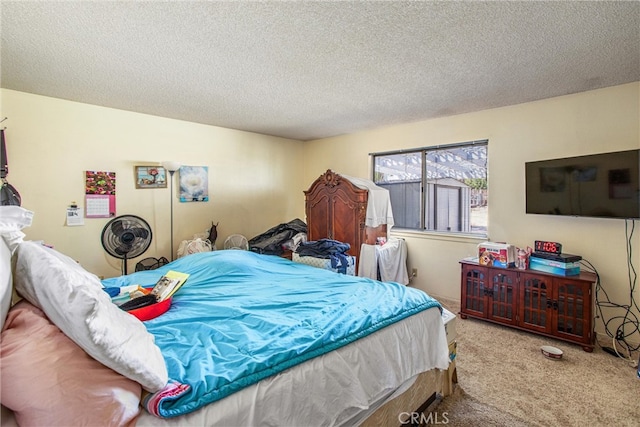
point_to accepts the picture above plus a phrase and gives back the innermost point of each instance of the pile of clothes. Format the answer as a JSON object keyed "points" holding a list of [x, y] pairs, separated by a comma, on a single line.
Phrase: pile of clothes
{"points": [[275, 240], [330, 249]]}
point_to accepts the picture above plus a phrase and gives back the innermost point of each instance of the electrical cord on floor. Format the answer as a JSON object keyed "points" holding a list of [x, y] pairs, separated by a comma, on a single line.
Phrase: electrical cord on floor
{"points": [[629, 323]]}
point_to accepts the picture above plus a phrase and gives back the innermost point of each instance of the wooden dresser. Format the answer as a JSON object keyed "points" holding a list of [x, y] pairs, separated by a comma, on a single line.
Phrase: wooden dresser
{"points": [[336, 209], [547, 304]]}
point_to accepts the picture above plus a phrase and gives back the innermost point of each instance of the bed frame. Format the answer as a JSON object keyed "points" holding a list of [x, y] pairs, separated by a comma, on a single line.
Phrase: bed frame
{"points": [[418, 398]]}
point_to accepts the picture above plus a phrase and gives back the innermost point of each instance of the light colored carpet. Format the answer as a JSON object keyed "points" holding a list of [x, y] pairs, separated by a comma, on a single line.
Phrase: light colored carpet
{"points": [[504, 380]]}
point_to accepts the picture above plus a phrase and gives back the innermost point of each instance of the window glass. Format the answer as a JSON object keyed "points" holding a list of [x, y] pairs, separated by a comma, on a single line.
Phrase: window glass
{"points": [[443, 189]]}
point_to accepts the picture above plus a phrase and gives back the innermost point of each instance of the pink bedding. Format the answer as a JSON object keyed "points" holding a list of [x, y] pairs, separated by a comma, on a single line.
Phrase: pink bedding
{"points": [[69, 387]]}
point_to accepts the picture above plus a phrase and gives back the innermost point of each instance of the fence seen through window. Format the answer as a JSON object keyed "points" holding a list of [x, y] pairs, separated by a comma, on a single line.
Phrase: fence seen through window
{"points": [[443, 189]]}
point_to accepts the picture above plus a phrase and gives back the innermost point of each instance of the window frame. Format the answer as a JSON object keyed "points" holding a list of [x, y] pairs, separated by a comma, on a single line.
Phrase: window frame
{"points": [[423, 205]]}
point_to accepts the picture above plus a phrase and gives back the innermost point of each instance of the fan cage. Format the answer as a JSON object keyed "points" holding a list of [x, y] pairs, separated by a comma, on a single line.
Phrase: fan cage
{"points": [[236, 241], [126, 237]]}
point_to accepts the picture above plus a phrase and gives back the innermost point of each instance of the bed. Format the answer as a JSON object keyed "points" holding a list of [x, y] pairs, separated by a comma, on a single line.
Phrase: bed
{"points": [[250, 339]]}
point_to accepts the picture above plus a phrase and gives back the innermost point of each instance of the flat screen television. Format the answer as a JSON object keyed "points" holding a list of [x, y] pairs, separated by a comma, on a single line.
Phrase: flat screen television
{"points": [[603, 185]]}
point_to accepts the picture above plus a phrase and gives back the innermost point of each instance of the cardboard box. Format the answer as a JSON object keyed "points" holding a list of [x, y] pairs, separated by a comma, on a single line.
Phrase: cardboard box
{"points": [[449, 320], [554, 267], [500, 255], [451, 376]]}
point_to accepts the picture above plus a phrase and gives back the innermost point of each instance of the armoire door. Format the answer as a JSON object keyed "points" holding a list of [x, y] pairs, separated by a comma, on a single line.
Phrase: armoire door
{"points": [[345, 225], [319, 219]]}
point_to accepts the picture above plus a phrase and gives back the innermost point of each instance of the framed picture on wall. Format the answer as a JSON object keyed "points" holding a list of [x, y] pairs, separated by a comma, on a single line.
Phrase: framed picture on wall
{"points": [[194, 184], [151, 177]]}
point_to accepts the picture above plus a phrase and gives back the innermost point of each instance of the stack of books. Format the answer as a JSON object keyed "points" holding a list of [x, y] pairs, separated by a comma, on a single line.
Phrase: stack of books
{"points": [[561, 264]]}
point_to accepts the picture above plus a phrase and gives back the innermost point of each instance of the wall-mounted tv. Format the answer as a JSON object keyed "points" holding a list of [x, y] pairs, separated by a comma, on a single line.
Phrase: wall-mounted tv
{"points": [[599, 185]]}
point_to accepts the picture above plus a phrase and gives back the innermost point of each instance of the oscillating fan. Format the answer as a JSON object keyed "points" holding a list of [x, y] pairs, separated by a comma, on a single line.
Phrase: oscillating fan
{"points": [[126, 237], [236, 241]]}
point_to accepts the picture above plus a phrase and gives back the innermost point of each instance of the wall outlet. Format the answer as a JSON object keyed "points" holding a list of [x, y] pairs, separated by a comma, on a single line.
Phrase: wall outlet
{"points": [[414, 272]]}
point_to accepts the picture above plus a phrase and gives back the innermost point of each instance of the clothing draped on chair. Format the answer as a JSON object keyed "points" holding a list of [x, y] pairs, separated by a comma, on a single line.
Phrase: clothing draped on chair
{"points": [[387, 262]]}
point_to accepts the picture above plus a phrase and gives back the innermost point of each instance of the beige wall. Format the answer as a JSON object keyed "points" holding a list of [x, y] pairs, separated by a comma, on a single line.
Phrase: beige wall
{"points": [[585, 123], [253, 179], [256, 181]]}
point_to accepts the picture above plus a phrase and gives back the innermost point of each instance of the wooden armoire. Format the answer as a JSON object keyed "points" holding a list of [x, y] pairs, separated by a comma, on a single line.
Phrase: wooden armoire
{"points": [[336, 209]]}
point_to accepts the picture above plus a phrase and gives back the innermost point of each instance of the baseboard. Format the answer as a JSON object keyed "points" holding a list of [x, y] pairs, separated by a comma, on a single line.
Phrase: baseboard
{"points": [[446, 300]]}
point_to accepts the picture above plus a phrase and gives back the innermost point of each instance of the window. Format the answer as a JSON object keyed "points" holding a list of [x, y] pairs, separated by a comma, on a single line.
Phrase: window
{"points": [[441, 189]]}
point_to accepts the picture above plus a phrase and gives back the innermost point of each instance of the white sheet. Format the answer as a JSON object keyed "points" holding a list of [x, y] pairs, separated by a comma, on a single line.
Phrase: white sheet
{"points": [[392, 261], [334, 389], [368, 263], [389, 259], [378, 203]]}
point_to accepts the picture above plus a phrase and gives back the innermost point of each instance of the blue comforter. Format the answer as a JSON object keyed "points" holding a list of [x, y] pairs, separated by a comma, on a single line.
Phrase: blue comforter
{"points": [[242, 317]]}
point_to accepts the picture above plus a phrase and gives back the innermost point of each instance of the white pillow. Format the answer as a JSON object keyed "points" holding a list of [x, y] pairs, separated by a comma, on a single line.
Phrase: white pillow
{"points": [[5, 281], [73, 300], [12, 220]]}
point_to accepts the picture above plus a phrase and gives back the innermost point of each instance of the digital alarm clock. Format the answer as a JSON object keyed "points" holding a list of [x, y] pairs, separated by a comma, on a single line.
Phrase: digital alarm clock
{"points": [[548, 247]]}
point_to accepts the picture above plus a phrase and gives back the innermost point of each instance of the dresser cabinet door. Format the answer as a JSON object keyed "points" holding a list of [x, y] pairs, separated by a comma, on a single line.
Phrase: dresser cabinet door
{"points": [[573, 310], [503, 295], [475, 290], [536, 302]]}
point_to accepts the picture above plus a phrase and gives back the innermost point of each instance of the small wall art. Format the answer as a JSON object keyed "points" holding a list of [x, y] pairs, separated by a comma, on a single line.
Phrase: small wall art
{"points": [[151, 177], [194, 183]]}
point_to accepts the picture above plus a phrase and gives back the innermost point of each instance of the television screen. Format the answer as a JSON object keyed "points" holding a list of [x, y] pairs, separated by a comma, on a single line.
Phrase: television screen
{"points": [[600, 185]]}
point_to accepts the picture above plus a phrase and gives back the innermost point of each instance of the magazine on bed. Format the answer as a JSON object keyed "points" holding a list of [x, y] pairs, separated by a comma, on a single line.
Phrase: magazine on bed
{"points": [[169, 284]]}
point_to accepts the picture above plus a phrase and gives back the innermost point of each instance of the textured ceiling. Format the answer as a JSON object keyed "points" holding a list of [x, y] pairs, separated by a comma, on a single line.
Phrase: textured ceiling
{"points": [[308, 70]]}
